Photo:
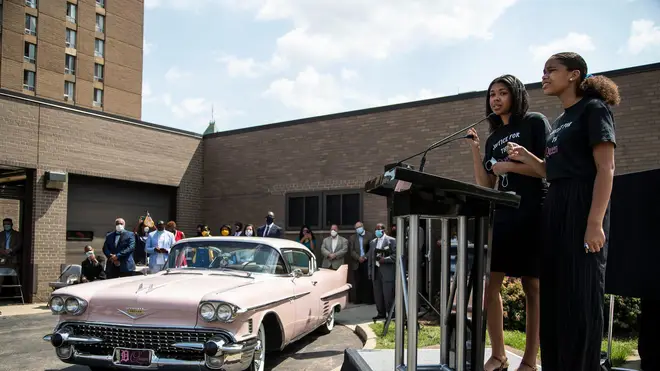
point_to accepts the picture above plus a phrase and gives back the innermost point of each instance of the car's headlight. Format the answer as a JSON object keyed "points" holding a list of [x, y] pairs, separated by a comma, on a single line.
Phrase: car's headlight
{"points": [[224, 313], [72, 305], [56, 304], [207, 311]]}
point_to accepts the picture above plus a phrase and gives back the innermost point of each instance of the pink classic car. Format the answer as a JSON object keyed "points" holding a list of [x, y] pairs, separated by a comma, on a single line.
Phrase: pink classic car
{"points": [[220, 304]]}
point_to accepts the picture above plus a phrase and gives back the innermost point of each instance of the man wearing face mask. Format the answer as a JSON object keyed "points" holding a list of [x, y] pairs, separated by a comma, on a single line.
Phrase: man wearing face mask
{"points": [[382, 270], [358, 246], [270, 229], [118, 248], [159, 244], [333, 249], [93, 267], [10, 245]]}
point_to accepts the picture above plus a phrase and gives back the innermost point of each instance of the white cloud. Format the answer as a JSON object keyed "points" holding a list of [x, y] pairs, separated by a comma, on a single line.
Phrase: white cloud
{"points": [[249, 67], [348, 74], [147, 48], [326, 31], [147, 94], [179, 5], [573, 42], [175, 74], [644, 34], [196, 112], [403, 98]]}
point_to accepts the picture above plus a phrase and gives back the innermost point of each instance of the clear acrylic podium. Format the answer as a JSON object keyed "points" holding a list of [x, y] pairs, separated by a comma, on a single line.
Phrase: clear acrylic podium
{"points": [[415, 196]]}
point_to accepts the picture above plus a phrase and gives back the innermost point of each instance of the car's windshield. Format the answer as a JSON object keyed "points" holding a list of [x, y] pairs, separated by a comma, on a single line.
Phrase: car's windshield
{"points": [[234, 255]]}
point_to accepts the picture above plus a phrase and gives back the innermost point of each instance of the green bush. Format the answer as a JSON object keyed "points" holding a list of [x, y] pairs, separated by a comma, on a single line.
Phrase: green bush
{"points": [[626, 314], [513, 303]]}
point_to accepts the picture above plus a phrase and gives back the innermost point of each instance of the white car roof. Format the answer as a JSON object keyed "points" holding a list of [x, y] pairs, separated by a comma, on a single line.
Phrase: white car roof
{"points": [[277, 243]]}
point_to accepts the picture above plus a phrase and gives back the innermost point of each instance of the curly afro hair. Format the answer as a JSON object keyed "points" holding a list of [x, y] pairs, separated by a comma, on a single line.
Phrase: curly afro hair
{"points": [[599, 87]]}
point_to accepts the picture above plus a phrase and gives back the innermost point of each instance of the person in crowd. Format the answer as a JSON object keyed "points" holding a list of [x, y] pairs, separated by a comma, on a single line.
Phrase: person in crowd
{"points": [[171, 227], [270, 229], [382, 270], [238, 229], [579, 165], [93, 267], [141, 235], [200, 229], [159, 244], [118, 249], [333, 249], [11, 244], [248, 231], [225, 230], [358, 247], [206, 231], [517, 241], [307, 238]]}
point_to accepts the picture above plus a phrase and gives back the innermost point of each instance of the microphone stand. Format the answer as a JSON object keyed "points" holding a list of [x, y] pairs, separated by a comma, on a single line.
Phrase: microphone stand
{"points": [[443, 141]]}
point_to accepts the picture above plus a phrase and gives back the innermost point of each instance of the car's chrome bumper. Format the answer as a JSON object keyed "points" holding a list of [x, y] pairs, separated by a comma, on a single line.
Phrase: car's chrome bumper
{"points": [[230, 357]]}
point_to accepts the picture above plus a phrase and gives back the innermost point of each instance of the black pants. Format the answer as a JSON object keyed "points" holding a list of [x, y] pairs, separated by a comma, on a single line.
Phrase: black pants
{"points": [[649, 327], [383, 293], [362, 291]]}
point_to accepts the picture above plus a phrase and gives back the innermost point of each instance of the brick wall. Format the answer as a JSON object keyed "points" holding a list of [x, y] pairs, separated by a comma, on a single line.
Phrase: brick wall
{"points": [[250, 171], [189, 194], [11, 209], [49, 235]]}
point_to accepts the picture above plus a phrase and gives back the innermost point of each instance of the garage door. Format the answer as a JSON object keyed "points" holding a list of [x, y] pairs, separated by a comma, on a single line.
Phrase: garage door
{"points": [[95, 203]]}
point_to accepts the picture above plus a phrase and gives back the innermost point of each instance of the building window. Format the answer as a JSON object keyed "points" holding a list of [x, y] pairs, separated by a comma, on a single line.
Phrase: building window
{"points": [[70, 38], [29, 78], [320, 210], [98, 72], [99, 45], [30, 53], [30, 25], [71, 11], [100, 3], [69, 90], [100, 23], [98, 98], [31, 3], [70, 65]]}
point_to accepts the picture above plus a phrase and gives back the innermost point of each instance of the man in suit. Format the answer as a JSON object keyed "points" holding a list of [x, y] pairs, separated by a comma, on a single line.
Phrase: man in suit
{"points": [[93, 267], [270, 229], [118, 248], [11, 244], [382, 270], [358, 247], [333, 249]]}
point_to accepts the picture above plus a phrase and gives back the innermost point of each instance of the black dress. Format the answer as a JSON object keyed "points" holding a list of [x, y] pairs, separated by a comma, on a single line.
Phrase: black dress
{"points": [[516, 232], [572, 281]]}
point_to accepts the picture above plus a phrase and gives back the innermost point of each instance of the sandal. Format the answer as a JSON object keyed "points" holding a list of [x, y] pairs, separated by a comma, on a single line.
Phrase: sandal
{"points": [[527, 366], [504, 364]]}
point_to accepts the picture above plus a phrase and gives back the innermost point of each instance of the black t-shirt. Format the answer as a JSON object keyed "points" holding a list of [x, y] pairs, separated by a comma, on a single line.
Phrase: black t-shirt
{"points": [[531, 132], [569, 152]]}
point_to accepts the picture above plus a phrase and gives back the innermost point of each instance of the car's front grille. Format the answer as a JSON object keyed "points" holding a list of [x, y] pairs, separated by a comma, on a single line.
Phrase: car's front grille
{"points": [[160, 340]]}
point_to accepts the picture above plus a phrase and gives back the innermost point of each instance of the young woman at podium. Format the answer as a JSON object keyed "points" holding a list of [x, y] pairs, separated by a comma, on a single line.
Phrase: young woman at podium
{"points": [[516, 238], [579, 165]]}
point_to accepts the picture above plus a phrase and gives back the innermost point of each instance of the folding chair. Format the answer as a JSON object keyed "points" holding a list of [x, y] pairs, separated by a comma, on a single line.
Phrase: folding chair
{"points": [[12, 273]]}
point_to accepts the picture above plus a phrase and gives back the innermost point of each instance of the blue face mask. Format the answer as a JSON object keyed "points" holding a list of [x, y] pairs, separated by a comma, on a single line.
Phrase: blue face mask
{"points": [[7, 227], [360, 230], [379, 233]]}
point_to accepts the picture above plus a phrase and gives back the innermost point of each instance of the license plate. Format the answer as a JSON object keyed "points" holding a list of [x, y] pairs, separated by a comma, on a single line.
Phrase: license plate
{"points": [[133, 357]]}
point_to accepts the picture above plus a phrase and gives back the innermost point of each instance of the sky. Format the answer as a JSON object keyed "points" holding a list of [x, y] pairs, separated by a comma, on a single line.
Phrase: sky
{"points": [[256, 62]]}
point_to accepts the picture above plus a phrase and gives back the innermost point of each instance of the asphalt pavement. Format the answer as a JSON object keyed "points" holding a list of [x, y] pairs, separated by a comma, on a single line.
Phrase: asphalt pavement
{"points": [[24, 350]]}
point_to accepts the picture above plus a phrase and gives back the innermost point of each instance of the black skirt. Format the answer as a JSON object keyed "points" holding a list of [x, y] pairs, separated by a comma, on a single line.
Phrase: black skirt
{"points": [[572, 281], [517, 242]]}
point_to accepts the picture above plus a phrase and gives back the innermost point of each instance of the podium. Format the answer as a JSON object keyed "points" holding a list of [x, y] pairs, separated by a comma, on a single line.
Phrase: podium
{"points": [[413, 195]]}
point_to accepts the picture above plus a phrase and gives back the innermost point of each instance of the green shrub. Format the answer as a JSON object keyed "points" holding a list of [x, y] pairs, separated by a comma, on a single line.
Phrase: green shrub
{"points": [[626, 314], [513, 303]]}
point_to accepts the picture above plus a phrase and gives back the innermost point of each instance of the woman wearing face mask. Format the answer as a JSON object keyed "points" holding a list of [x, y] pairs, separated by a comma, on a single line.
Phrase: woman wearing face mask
{"points": [[206, 231], [579, 164], [516, 242], [248, 230], [141, 236], [225, 230]]}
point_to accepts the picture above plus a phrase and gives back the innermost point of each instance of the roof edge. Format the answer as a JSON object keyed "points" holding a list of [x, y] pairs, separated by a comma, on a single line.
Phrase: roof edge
{"points": [[90, 112], [418, 103]]}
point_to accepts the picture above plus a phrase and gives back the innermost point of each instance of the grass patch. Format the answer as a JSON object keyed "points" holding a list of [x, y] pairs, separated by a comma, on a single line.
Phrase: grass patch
{"points": [[429, 335]]}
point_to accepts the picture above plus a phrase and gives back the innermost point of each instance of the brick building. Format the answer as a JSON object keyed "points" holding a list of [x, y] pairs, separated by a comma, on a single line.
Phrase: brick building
{"points": [[310, 170], [84, 53]]}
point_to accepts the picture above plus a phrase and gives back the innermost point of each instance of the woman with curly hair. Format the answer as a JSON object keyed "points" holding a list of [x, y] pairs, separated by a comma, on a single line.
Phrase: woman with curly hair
{"points": [[516, 232], [579, 165]]}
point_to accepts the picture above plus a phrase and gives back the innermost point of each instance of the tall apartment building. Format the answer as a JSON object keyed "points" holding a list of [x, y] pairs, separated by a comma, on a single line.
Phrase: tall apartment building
{"points": [[86, 53]]}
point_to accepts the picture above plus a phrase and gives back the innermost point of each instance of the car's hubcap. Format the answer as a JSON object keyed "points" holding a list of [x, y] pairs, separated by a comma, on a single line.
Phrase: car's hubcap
{"points": [[330, 322], [259, 354]]}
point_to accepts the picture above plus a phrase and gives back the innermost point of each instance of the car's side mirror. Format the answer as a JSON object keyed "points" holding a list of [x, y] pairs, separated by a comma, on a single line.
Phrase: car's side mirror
{"points": [[297, 273]]}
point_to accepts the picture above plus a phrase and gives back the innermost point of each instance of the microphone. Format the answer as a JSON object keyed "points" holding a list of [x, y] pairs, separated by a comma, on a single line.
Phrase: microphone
{"points": [[448, 139]]}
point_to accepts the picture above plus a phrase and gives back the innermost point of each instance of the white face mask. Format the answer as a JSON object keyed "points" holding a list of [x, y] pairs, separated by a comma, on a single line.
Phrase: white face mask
{"points": [[248, 232], [89, 253], [146, 229], [119, 227], [333, 233]]}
